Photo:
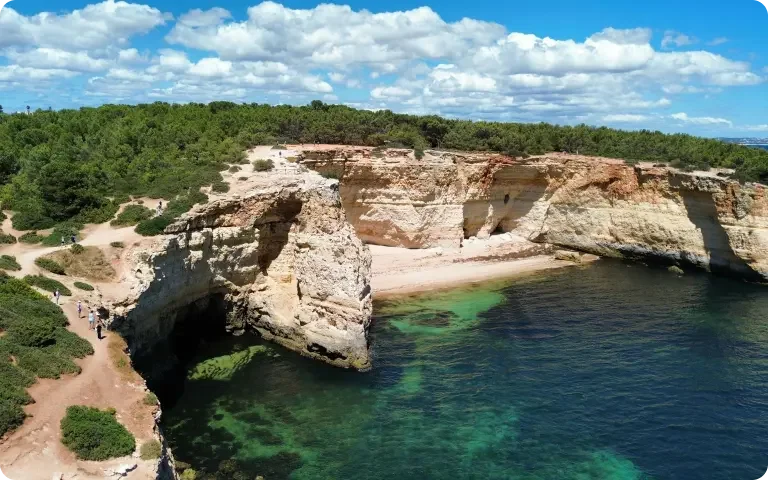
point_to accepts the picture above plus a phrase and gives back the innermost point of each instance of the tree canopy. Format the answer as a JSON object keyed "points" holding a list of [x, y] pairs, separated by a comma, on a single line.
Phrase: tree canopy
{"points": [[76, 164]]}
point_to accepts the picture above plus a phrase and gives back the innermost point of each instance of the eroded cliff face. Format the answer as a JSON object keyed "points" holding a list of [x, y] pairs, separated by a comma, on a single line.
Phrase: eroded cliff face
{"points": [[280, 260], [600, 206]]}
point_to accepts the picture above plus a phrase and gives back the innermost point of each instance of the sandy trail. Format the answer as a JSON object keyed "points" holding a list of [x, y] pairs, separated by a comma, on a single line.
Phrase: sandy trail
{"points": [[35, 451]]}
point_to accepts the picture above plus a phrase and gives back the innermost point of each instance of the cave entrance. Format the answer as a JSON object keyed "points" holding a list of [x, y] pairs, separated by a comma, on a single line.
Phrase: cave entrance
{"points": [[195, 326], [499, 230]]}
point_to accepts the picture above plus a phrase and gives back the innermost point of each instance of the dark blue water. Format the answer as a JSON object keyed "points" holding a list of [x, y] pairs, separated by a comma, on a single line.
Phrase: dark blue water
{"points": [[603, 372]]}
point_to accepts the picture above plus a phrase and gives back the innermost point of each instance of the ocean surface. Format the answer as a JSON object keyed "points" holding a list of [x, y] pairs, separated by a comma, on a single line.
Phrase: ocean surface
{"points": [[610, 371]]}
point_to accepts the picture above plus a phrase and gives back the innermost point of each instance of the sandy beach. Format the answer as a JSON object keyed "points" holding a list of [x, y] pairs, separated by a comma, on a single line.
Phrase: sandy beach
{"points": [[401, 271]]}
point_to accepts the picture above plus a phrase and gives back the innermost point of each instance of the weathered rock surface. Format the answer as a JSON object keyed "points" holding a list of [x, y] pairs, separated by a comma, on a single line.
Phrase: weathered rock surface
{"points": [[600, 206], [281, 260]]}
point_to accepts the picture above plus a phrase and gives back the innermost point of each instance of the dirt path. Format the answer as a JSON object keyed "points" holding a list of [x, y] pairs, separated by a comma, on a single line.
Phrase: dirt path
{"points": [[35, 450]]}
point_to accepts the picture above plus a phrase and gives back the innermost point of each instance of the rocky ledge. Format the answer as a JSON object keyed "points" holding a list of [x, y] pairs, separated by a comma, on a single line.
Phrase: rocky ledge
{"points": [[280, 259]]}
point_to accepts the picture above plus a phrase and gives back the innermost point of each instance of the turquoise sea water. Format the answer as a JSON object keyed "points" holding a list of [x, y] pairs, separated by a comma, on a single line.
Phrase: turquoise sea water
{"points": [[610, 371]]}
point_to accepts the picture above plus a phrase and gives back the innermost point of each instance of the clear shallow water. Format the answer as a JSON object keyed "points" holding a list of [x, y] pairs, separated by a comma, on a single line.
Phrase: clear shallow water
{"points": [[604, 372]]}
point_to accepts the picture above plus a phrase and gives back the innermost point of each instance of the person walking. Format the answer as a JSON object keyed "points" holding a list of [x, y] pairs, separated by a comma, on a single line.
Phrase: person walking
{"points": [[91, 320], [79, 309], [98, 329], [74, 239], [63, 242], [56, 296]]}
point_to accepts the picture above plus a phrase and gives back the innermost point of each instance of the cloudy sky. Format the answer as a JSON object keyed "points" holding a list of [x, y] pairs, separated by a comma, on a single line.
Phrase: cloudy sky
{"points": [[675, 65]]}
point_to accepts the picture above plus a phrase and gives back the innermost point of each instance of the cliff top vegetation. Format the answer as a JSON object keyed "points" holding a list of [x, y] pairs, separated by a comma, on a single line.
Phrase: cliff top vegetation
{"points": [[78, 165]]}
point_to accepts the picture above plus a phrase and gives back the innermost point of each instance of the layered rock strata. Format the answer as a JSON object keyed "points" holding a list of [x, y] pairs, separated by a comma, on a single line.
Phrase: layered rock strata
{"points": [[280, 260], [595, 205]]}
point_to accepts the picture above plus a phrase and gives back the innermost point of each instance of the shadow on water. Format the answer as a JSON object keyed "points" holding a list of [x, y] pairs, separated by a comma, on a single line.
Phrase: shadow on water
{"points": [[702, 211]]}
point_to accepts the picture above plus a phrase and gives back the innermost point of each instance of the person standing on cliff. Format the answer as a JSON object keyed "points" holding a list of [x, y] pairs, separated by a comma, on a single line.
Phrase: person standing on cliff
{"points": [[98, 329], [79, 309], [91, 320], [56, 296]]}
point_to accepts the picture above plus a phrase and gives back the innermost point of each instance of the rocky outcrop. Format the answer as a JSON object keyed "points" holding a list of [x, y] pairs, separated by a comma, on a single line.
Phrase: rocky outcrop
{"points": [[280, 260], [594, 205]]}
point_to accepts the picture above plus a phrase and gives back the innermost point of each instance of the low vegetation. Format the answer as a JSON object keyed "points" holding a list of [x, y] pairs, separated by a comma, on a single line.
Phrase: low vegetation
{"points": [[151, 450], [220, 187], [84, 286], [63, 231], [51, 265], [35, 343], [8, 262], [94, 434], [177, 207], [234, 169], [151, 399], [7, 239], [84, 262], [118, 355], [263, 165], [31, 238], [117, 245], [47, 284], [330, 174], [132, 215]]}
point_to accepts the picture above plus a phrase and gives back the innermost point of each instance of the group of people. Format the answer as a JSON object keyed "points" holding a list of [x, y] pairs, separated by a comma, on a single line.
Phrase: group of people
{"points": [[73, 238], [94, 320]]}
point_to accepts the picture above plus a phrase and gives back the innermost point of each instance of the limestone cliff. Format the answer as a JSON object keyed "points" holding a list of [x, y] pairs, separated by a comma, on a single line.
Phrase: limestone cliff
{"points": [[279, 259], [601, 206]]}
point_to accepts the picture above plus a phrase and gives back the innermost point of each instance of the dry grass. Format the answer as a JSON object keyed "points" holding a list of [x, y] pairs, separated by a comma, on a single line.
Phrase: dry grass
{"points": [[90, 264], [116, 348]]}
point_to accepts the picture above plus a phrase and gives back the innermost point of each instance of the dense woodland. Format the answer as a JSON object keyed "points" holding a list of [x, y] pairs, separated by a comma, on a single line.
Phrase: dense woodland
{"points": [[77, 165]]}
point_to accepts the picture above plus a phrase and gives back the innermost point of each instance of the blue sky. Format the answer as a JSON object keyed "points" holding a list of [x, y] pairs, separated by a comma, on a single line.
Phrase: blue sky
{"points": [[677, 66]]}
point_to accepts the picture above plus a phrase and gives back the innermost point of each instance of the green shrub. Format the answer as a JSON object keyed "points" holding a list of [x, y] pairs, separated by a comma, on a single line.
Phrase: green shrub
{"points": [[50, 265], [2, 216], [47, 284], [331, 175], [291, 159], [153, 226], [418, 153], [94, 434], [8, 262], [151, 450], [117, 245], [151, 399], [84, 286], [132, 215], [263, 165], [77, 249], [31, 238], [11, 416], [279, 147], [7, 239], [242, 179], [234, 169], [220, 187], [65, 231]]}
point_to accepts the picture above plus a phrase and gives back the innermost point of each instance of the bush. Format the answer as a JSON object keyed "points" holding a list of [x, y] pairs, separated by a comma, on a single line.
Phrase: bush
{"points": [[242, 179], [94, 434], [151, 450], [331, 175], [117, 245], [11, 417], [263, 165], [84, 286], [8, 262], [418, 153], [291, 159], [31, 238], [77, 249], [132, 215], [34, 332], [151, 399], [63, 230], [234, 169], [153, 226], [220, 187], [279, 147], [50, 265], [7, 239], [47, 284]]}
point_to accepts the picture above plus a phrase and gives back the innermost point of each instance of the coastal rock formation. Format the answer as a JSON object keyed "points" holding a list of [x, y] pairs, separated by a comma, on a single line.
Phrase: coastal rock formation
{"points": [[280, 259], [601, 206]]}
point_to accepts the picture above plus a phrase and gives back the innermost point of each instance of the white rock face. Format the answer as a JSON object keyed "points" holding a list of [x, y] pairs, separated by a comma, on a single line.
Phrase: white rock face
{"points": [[600, 206], [281, 260]]}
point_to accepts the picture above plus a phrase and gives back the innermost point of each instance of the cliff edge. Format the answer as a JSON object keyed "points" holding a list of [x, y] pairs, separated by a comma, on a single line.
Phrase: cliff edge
{"points": [[279, 259]]}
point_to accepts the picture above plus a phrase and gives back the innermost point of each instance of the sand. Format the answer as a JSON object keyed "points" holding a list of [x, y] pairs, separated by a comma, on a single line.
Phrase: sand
{"points": [[399, 271]]}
